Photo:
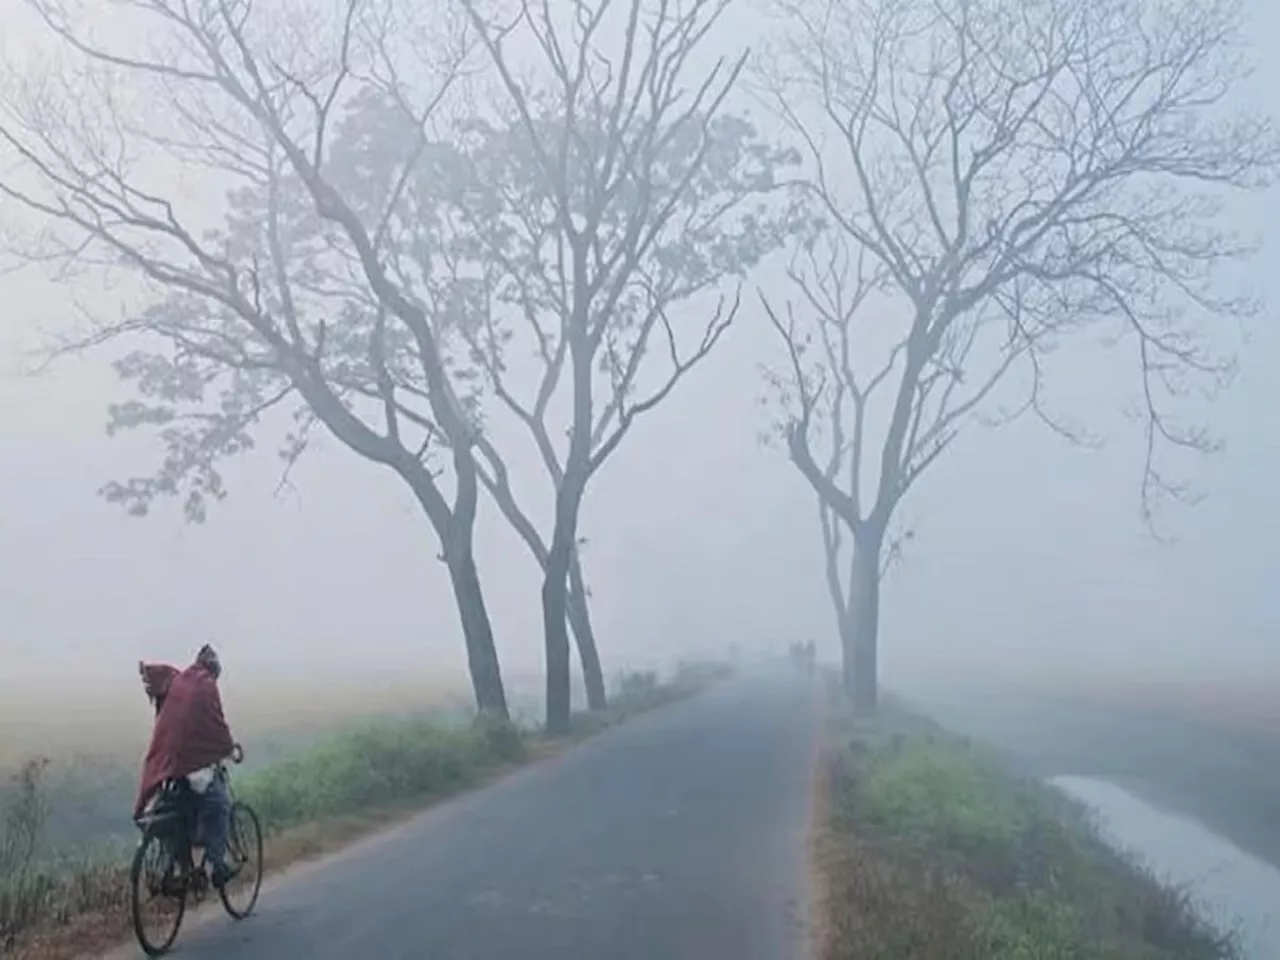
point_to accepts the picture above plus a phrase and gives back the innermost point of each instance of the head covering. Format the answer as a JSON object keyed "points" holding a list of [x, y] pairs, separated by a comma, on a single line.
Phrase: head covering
{"points": [[156, 678], [208, 658]]}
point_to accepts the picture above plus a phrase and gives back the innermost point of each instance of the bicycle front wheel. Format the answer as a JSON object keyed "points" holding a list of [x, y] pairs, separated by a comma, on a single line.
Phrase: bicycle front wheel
{"points": [[244, 850], [158, 895]]}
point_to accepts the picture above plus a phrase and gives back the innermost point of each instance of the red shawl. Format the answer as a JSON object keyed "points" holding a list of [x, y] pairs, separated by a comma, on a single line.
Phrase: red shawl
{"points": [[191, 732]]}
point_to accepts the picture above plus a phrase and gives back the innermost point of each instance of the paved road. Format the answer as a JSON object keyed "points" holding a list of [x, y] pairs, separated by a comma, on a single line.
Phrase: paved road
{"points": [[680, 835]]}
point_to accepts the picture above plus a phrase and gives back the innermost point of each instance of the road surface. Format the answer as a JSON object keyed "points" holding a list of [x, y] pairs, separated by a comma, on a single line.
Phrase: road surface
{"points": [[679, 835]]}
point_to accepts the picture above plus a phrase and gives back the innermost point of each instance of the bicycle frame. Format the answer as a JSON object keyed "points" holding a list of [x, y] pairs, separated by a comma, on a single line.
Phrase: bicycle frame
{"points": [[176, 822]]}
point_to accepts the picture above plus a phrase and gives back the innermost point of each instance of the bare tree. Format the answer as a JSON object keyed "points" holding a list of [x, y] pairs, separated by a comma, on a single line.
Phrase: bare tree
{"points": [[462, 171], [299, 293], [625, 194], [994, 177]]}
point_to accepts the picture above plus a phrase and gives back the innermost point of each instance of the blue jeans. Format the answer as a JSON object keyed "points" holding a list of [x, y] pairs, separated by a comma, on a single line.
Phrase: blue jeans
{"points": [[215, 820]]}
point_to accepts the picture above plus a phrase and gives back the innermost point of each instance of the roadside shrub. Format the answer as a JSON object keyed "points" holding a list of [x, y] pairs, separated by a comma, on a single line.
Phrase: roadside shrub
{"points": [[950, 796], [501, 737], [23, 887], [639, 690], [382, 763], [696, 674], [635, 690]]}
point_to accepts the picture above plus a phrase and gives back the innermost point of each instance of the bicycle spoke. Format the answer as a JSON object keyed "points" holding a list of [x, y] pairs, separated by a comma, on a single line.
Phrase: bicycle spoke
{"points": [[244, 846], [159, 896]]}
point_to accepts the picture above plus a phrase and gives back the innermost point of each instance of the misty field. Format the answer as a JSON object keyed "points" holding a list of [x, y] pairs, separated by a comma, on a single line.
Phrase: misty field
{"points": [[94, 746], [1245, 705], [60, 720]]}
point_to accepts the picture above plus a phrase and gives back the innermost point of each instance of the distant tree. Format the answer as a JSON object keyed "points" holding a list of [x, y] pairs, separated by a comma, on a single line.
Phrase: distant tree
{"points": [[621, 198], [315, 289], [994, 176]]}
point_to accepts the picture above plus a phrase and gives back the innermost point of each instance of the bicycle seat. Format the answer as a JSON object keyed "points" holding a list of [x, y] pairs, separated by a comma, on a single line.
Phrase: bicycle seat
{"points": [[174, 797]]}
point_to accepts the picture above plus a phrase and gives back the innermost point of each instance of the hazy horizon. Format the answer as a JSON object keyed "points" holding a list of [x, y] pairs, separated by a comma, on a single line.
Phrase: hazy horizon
{"points": [[1029, 558]]}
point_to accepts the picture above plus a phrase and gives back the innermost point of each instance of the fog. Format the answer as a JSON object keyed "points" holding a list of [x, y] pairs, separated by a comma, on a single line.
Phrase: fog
{"points": [[1029, 559]]}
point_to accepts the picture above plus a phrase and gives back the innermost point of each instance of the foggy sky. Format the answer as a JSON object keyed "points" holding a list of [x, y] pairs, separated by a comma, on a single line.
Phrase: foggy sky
{"points": [[1027, 551]]}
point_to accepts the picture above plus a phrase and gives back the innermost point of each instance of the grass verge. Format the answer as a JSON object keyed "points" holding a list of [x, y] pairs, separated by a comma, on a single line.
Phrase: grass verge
{"points": [[343, 788], [930, 848]]}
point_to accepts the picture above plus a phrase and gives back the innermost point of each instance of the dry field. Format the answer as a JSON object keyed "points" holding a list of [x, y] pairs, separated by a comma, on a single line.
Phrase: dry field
{"points": [[1249, 706], [1243, 702]]}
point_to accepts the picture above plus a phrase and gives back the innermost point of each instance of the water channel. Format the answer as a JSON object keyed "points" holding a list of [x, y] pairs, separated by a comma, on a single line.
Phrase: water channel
{"points": [[1234, 889]]}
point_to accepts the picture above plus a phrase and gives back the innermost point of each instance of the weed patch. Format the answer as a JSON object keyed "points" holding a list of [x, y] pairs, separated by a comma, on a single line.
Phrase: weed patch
{"points": [[380, 763], [933, 849]]}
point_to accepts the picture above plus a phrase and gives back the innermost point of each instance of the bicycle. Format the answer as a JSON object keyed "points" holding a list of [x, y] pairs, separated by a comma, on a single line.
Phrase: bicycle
{"points": [[164, 866]]}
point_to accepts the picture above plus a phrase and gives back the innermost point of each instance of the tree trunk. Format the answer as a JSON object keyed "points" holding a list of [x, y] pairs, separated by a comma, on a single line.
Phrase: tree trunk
{"points": [[569, 492], [860, 631], [477, 631], [456, 530], [584, 635], [556, 633], [847, 644], [578, 604], [555, 609]]}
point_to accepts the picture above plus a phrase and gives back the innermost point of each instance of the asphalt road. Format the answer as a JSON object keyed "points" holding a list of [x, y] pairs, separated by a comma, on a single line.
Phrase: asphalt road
{"points": [[679, 835]]}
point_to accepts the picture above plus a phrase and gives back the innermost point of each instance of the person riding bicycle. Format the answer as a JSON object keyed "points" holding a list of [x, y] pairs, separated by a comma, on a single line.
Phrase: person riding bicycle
{"points": [[190, 738]]}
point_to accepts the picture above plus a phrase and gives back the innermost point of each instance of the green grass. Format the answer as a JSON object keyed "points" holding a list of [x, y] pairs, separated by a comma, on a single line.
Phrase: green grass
{"points": [[934, 849], [380, 763]]}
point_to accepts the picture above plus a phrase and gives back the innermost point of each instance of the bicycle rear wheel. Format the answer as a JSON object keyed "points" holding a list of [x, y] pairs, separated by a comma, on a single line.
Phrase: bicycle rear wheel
{"points": [[156, 884], [244, 850]]}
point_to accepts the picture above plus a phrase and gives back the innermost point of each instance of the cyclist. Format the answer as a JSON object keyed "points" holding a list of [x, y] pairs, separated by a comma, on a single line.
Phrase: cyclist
{"points": [[189, 739]]}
